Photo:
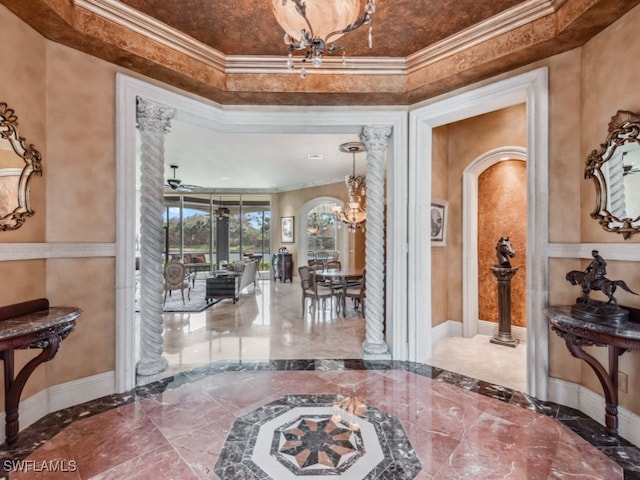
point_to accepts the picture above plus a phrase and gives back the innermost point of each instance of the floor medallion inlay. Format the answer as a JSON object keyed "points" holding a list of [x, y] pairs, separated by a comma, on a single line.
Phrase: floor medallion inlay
{"points": [[305, 437]]}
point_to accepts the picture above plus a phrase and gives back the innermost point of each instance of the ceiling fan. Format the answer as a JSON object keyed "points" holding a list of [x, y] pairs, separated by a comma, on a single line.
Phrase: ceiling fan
{"points": [[222, 211], [176, 184]]}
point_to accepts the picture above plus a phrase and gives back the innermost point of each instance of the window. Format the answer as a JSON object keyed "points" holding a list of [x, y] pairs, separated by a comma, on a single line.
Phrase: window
{"points": [[218, 227], [322, 234]]}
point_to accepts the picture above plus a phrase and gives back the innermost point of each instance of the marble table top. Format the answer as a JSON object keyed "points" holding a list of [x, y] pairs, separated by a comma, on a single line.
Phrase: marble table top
{"points": [[561, 316], [31, 323]]}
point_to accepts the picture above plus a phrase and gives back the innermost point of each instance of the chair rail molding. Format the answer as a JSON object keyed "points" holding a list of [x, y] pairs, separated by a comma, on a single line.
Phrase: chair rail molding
{"points": [[33, 251], [624, 252]]}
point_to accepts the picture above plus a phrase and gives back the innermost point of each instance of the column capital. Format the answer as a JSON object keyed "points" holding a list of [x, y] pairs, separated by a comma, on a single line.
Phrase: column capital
{"points": [[375, 137], [153, 117]]}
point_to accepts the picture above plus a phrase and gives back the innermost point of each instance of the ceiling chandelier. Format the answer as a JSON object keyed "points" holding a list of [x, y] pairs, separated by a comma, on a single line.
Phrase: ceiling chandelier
{"points": [[353, 213], [330, 18]]}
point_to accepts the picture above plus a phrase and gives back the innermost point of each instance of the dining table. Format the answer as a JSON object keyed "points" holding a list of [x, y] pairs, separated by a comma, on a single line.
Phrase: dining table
{"points": [[340, 277]]}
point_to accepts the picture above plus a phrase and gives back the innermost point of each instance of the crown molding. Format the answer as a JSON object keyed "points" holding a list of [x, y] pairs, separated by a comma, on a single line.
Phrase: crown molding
{"points": [[142, 24], [333, 66], [131, 19], [495, 26]]}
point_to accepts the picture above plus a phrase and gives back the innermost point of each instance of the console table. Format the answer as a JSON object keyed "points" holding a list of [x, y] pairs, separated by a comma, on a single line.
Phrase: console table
{"points": [[31, 324], [618, 337]]}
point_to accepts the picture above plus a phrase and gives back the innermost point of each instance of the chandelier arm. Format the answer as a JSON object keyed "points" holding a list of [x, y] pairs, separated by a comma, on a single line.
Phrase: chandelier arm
{"points": [[365, 18], [301, 8]]}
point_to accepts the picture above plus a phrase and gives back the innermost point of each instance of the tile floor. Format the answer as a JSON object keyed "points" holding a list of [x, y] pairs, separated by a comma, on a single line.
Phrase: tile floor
{"points": [[228, 364]]}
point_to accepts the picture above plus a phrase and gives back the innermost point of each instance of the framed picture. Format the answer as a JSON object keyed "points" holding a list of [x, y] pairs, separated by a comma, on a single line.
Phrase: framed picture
{"points": [[286, 230], [438, 222]]}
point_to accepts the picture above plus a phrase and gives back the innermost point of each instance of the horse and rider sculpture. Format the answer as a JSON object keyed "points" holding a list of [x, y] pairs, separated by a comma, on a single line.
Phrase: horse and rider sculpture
{"points": [[593, 278]]}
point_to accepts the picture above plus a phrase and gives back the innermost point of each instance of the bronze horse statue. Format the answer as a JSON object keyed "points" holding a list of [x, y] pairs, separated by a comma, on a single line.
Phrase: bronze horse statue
{"points": [[606, 286], [504, 250]]}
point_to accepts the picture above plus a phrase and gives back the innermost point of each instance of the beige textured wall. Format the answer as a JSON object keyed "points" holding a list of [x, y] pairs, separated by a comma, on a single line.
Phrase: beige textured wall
{"points": [[65, 105], [502, 212], [81, 147], [440, 191], [579, 114], [467, 140], [23, 79], [22, 51], [606, 88]]}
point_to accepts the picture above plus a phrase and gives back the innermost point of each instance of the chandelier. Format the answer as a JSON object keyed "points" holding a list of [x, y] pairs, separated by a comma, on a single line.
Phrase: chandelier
{"points": [[352, 212], [331, 19]]}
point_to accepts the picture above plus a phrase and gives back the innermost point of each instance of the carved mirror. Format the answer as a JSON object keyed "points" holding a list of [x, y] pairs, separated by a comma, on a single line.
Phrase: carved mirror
{"points": [[17, 163], [615, 169]]}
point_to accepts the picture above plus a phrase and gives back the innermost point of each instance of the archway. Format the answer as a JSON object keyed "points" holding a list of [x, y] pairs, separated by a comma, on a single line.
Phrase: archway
{"points": [[530, 88], [256, 120], [470, 230], [302, 233]]}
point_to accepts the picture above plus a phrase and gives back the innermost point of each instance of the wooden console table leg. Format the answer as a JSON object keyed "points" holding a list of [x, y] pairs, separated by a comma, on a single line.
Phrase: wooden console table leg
{"points": [[13, 388], [608, 380]]}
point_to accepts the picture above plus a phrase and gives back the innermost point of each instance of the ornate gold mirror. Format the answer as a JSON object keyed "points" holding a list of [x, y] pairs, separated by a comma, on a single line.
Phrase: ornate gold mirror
{"points": [[615, 169], [17, 163]]}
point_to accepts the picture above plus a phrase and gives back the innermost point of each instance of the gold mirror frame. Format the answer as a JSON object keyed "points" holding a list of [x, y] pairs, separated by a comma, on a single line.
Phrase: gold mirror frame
{"points": [[17, 209], [606, 168]]}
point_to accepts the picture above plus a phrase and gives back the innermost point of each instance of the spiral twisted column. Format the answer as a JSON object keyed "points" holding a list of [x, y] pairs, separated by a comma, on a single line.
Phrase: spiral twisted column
{"points": [[375, 140], [154, 122]]}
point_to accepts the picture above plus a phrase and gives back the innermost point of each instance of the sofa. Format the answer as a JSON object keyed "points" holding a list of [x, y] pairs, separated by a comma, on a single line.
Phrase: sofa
{"points": [[247, 272]]}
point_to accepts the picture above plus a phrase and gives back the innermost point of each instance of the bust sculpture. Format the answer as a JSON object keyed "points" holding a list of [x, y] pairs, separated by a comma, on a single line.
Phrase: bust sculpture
{"points": [[504, 251]]}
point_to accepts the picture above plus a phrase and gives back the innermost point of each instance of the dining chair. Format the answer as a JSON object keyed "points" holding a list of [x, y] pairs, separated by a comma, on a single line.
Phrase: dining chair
{"points": [[176, 278], [336, 285], [358, 293], [310, 290], [316, 265], [334, 264]]}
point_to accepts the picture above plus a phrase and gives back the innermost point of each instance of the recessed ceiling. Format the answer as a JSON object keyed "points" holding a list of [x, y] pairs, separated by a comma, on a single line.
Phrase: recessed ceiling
{"points": [[233, 52], [400, 27]]}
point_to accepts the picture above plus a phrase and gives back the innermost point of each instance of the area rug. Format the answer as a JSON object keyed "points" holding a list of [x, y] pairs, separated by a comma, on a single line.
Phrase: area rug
{"points": [[197, 303]]}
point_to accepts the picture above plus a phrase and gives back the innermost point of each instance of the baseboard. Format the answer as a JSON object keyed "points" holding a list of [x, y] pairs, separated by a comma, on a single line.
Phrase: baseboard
{"points": [[451, 328], [491, 328], [62, 396], [592, 404], [444, 330]]}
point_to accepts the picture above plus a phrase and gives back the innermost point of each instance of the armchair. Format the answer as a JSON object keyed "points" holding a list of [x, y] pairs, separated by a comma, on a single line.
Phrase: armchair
{"points": [[176, 278]]}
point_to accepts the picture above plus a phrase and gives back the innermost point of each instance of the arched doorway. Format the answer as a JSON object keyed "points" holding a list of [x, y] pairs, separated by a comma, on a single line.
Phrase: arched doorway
{"points": [[303, 232], [470, 319]]}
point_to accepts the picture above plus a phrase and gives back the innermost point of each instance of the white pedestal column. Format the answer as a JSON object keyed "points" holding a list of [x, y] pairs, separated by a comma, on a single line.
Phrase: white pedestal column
{"points": [[375, 140], [153, 122]]}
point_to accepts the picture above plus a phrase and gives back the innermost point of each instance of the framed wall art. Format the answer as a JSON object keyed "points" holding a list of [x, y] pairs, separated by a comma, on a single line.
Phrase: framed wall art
{"points": [[438, 222], [286, 230]]}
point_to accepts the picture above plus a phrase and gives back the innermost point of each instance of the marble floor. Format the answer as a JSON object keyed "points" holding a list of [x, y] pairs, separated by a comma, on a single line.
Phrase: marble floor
{"points": [[506, 366], [253, 395], [265, 323]]}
